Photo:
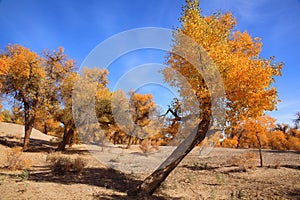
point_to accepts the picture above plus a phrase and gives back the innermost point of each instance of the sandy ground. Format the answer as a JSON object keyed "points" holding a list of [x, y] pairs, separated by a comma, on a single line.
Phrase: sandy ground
{"points": [[16, 130], [110, 173]]}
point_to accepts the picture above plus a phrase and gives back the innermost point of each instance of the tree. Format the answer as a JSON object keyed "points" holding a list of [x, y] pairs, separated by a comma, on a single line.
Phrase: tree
{"points": [[172, 123], [23, 83], [133, 119], [140, 109], [7, 116], [256, 132], [60, 70], [193, 77], [297, 120], [293, 137], [118, 108], [86, 95], [3, 71], [277, 140], [247, 78]]}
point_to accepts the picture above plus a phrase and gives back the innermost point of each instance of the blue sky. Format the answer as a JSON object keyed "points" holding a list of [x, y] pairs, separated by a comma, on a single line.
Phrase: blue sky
{"points": [[80, 25]]}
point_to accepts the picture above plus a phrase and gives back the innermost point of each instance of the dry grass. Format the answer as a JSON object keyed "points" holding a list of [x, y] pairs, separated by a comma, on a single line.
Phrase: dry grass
{"points": [[247, 160], [16, 159], [64, 165]]}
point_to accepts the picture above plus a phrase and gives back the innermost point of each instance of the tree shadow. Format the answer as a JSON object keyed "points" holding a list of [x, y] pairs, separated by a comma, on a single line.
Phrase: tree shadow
{"points": [[100, 177], [295, 193], [76, 151], [297, 167], [6, 141], [200, 167], [236, 170], [120, 197], [280, 151], [35, 145]]}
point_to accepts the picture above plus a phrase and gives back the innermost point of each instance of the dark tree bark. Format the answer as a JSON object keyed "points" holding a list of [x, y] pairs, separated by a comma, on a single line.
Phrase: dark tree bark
{"points": [[29, 122], [68, 133], [45, 128], [28, 130], [259, 150], [152, 182], [129, 142]]}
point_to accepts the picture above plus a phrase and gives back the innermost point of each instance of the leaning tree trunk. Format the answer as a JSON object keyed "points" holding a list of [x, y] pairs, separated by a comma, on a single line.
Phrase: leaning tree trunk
{"points": [[152, 182]]}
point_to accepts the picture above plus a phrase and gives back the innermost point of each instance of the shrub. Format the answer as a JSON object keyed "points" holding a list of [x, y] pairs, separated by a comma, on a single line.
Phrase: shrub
{"points": [[16, 159], [62, 165], [247, 160]]}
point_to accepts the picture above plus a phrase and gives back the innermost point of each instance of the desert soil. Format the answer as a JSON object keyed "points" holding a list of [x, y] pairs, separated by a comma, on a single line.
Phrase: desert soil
{"points": [[111, 172]]}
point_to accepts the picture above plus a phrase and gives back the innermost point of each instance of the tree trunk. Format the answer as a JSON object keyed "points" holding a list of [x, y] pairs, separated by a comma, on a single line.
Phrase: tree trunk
{"points": [[45, 128], [129, 142], [152, 182], [29, 121], [261, 158], [67, 135], [28, 129], [259, 150]]}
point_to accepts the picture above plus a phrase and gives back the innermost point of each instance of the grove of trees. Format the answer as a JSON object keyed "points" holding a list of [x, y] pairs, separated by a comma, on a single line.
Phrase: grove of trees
{"points": [[40, 89]]}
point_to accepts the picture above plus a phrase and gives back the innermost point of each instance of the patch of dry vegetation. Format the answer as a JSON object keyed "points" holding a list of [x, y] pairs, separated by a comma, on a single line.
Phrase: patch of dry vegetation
{"points": [[16, 159], [64, 165], [245, 161]]}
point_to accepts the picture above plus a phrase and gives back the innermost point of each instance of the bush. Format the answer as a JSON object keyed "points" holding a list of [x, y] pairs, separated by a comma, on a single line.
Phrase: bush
{"points": [[62, 165], [16, 159], [247, 160]]}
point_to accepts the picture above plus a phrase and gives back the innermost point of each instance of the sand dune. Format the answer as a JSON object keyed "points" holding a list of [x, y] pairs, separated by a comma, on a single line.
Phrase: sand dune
{"points": [[18, 130]]}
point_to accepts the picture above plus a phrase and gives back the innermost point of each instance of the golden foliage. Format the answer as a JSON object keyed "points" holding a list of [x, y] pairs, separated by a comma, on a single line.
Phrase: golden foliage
{"points": [[141, 106], [263, 132], [246, 75], [230, 142], [277, 140], [3, 71]]}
